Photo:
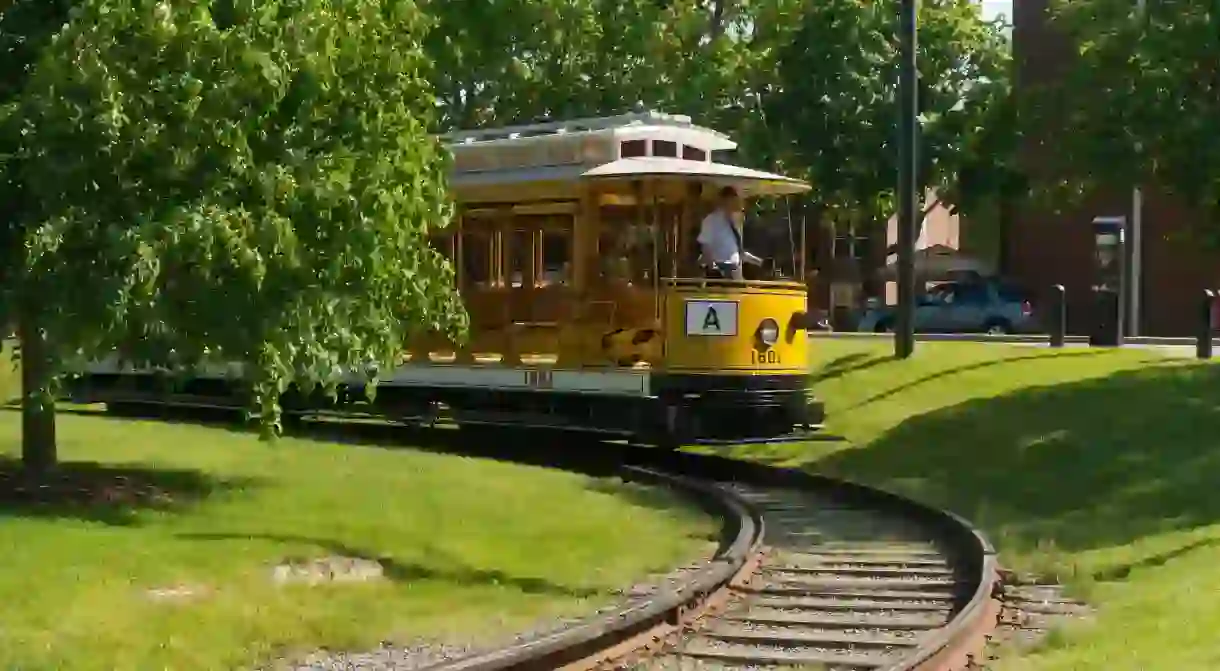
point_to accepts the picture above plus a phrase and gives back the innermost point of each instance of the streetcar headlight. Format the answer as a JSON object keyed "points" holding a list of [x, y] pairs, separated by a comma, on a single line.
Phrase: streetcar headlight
{"points": [[768, 332]]}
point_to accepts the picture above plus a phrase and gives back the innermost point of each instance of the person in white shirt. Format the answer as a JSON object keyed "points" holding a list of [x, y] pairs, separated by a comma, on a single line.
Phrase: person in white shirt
{"points": [[720, 236]]}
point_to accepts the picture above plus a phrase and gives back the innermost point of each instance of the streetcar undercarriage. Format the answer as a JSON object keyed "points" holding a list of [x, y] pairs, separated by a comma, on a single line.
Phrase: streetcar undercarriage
{"points": [[680, 409]]}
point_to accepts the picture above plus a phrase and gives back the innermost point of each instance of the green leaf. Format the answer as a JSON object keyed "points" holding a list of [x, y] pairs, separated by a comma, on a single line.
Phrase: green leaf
{"points": [[1135, 106], [221, 180]]}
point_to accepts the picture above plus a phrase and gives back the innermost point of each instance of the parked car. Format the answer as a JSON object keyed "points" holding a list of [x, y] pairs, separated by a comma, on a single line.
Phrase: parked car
{"points": [[984, 306]]}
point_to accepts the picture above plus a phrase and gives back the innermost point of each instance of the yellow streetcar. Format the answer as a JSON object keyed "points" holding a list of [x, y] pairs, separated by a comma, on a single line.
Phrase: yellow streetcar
{"points": [[590, 306]]}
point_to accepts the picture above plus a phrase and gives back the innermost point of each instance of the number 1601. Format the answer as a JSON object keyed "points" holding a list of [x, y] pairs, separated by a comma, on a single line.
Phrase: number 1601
{"points": [[761, 358]]}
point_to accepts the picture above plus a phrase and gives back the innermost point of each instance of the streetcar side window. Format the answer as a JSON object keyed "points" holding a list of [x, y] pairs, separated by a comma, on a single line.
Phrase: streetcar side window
{"points": [[613, 244], [693, 153], [518, 270], [665, 148], [633, 148], [443, 243], [556, 258], [641, 242], [476, 259], [631, 248]]}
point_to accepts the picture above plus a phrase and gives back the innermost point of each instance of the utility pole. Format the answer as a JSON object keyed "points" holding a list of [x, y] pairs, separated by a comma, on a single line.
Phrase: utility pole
{"points": [[908, 205], [1135, 262]]}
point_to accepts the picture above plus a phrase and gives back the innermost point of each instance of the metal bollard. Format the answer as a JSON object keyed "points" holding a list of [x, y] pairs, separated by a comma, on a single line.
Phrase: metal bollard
{"points": [[1203, 343], [1058, 315]]}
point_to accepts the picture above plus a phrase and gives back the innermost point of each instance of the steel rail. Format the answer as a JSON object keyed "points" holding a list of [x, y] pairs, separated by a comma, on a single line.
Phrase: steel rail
{"points": [[604, 641], [953, 647], [597, 640]]}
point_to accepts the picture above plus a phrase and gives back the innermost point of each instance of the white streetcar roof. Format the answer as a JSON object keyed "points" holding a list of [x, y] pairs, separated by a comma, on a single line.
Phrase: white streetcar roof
{"points": [[621, 125], [747, 181]]}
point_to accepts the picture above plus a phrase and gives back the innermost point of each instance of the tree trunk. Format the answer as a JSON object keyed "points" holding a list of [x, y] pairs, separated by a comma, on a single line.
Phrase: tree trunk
{"points": [[1007, 210], [39, 453]]}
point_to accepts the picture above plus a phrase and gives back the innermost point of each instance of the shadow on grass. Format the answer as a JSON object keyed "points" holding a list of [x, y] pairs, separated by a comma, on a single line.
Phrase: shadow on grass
{"points": [[1122, 571], [444, 568], [555, 450], [978, 365], [112, 494], [848, 363], [520, 446], [1084, 465]]}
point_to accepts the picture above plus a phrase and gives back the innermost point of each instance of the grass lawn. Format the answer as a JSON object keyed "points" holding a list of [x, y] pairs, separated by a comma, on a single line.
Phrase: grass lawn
{"points": [[1098, 467], [468, 546]]}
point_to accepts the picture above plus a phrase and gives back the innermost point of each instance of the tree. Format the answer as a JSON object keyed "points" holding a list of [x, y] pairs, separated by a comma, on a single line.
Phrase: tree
{"points": [[834, 98], [513, 61], [249, 180], [988, 170], [1139, 98], [991, 181], [26, 27]]}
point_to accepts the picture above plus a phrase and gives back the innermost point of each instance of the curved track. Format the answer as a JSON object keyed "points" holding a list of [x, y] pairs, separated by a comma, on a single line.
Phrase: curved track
{"points": [[839, 586], [811, 572]]}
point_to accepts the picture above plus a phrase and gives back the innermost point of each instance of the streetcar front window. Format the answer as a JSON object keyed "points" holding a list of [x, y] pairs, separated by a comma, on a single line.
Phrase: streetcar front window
{"points": [[634, 244], [774, 235]]}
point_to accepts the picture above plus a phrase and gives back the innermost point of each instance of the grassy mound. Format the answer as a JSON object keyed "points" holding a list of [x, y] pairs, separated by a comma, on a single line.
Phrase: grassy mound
{"points": [[1096, 466], [157, 547]]}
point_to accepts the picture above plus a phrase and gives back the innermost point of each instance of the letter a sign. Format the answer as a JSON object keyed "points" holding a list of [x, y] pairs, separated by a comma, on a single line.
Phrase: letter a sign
{"points": [[711, 318]]}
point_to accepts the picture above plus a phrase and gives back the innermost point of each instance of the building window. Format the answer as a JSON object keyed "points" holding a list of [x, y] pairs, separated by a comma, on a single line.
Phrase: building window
{"points": [[852, 241]]}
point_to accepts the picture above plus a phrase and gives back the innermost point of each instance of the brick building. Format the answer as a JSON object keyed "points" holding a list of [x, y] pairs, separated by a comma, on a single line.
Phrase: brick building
{"points": [[1043, 249]]}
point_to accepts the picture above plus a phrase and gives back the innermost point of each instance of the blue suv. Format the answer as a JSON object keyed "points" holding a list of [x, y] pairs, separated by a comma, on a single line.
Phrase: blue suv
{"points": [[979, 306]]}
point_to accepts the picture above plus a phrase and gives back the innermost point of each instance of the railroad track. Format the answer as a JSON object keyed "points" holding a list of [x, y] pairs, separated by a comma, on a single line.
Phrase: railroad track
{"points": [[839, 587], [815, 573], [812, 572]]}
